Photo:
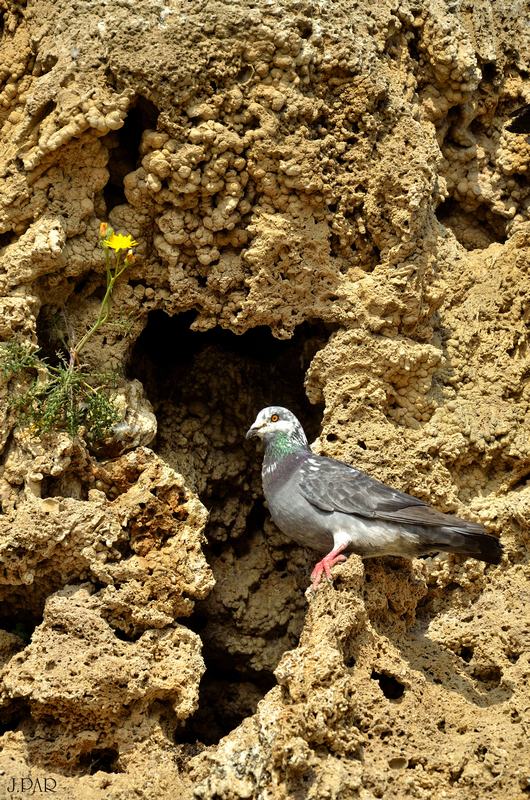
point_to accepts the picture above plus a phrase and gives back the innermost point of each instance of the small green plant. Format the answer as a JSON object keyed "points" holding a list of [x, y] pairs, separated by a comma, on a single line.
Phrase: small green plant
{"points": [[66, 396], [16, 357]]}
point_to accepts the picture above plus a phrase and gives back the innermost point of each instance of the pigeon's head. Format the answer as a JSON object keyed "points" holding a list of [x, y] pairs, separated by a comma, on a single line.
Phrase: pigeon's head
{"points": [[275, 420]]}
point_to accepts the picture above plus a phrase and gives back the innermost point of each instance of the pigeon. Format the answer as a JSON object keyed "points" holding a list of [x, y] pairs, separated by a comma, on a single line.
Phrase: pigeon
{"points": [[334, 508]]}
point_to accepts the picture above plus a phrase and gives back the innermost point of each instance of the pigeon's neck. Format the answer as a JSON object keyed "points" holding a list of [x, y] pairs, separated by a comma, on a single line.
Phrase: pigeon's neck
{"points": [[281, 445]]}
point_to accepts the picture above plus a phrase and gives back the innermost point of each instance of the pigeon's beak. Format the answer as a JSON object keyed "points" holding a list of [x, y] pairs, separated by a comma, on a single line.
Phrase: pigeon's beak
{"points": [[253, 431]]}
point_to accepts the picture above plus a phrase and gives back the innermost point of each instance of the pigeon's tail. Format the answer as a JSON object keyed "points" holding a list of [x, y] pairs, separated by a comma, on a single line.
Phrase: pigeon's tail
{"points": [[472, 543]]}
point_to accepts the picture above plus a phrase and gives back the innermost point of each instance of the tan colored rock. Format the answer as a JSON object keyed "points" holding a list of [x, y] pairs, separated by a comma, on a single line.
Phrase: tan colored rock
{"points": [[339, 175]]}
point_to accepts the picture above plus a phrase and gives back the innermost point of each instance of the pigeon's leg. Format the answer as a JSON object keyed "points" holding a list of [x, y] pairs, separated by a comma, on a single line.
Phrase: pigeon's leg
{"points": [[324, 566]]}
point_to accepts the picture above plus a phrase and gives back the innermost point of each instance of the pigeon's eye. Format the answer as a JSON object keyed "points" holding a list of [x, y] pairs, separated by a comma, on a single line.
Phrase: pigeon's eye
{"points": [[275, 418]]}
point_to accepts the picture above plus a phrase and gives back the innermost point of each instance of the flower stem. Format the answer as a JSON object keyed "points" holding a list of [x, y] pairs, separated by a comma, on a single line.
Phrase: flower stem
{"points": [[113, 273]]}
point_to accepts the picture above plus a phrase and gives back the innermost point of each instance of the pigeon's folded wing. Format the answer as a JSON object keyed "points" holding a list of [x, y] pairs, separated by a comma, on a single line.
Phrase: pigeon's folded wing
{"points": [[335, 486]]}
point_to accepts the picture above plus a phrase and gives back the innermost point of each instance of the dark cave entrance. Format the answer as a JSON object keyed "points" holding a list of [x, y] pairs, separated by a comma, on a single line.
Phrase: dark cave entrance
{"points": [[206, 389], [271, 370]]}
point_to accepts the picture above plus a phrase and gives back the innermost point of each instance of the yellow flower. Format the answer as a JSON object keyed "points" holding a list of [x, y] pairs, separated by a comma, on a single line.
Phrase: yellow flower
{"points": [[117, 241]]}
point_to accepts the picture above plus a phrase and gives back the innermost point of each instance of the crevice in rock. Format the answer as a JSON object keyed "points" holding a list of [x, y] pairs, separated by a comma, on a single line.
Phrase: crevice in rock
{"points": [[44, 64], [206, 389], [226, 698], [124, 148], [489, 71], [53, 334]]}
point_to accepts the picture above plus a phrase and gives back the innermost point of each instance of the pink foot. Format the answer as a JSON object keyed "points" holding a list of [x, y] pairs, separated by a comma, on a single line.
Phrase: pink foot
{"points": [[326, 564]]}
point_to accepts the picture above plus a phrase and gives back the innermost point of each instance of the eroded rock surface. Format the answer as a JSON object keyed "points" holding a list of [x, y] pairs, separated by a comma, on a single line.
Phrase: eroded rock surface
{"points": [[333, 216]]}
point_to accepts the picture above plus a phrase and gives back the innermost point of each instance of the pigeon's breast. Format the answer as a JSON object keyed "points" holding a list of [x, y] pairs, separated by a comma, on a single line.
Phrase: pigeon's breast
{"points": [[296, 517]]}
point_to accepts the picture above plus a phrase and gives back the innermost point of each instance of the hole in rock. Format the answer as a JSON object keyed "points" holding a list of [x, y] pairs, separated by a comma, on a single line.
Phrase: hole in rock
{"points": [[7, 238], [14, 714], [491, 675], [520, 120], [466, 653], [112, 79], [206, 389], [350, 650], [413, 46], [22, 611], [399, 762], [305, 28], [53, 334], [489, 71], [476, 229], [126, 635], [390, 686], [335, 245], [124, 146], [244, 74], [44, 111], [101, 759], [67, 485], [44, 65]]}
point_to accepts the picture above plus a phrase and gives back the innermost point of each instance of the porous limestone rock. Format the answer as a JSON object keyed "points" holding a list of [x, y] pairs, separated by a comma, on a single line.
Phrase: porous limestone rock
{"points": [[330, 207]]}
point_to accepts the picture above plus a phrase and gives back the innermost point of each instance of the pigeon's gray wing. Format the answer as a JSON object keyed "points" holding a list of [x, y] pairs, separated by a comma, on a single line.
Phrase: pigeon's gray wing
{"points": [[335, 486]]}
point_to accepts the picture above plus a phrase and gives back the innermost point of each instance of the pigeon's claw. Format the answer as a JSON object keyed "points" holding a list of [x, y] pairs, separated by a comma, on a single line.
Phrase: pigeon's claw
{"points": [[324, 567]]}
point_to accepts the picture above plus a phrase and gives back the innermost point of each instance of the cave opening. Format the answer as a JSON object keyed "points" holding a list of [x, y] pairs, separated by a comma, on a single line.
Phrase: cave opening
{"points": [[206, 388], [214, 382]]}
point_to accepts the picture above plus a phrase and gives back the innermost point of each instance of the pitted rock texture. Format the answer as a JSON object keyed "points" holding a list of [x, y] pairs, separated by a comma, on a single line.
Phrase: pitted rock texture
{"points": [[329, 195]]}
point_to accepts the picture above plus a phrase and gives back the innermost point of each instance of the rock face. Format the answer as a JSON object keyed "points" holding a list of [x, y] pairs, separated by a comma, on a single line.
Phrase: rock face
{"points": [[332, 216]]}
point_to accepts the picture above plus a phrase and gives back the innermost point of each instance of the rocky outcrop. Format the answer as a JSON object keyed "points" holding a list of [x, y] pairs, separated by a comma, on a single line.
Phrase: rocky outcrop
{"points": [[332, 215]]}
